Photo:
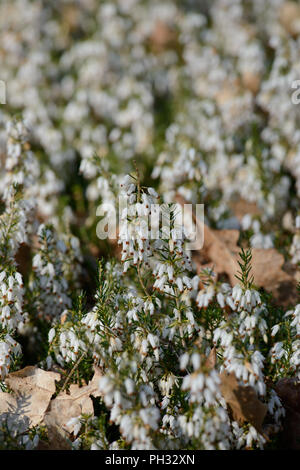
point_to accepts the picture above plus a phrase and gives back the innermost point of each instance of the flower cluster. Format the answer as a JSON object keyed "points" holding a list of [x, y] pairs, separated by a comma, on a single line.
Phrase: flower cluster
{"points": [[126, 108], [49, 284]]}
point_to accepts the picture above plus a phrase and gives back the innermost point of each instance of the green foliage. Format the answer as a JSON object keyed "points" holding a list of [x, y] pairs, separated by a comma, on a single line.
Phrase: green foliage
{"points": [[244, 275]]}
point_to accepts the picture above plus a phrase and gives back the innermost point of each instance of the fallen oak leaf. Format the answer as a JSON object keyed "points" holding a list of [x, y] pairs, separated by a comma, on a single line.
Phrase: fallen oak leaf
{"points": [[243, 401], [266, 263], [267, 268], [220, 247], [67, 406], [11, 412], [32, 389], [70, 405], [220, 252], [215, 250]]}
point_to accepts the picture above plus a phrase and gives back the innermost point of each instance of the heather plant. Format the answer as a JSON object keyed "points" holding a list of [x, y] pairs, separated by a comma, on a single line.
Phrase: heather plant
{"points": [[117, 114]]}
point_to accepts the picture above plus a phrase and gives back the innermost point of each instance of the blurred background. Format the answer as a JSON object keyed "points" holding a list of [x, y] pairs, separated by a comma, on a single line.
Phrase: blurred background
{"points": [[197, 92]]}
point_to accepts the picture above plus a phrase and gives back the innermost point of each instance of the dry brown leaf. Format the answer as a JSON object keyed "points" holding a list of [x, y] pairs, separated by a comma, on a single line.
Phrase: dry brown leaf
{"points": [[221, 247], [243, 401], [12, 409], [66, 406], [268, 272], [30, 403], [251, 80], [58, 438], [221, 252], [162, 36], [230, 90], [94, 383], [211, 359], [267, 267], [7, 402], [32, 391], [70, 405], [241, 207], [289, 16], [70, 18]]}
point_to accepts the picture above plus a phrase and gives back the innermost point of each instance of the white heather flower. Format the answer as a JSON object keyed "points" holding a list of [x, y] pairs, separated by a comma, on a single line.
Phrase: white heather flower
{"points": [[275, 330]]}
